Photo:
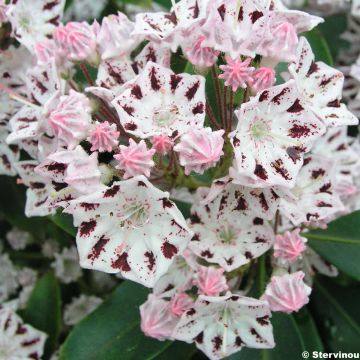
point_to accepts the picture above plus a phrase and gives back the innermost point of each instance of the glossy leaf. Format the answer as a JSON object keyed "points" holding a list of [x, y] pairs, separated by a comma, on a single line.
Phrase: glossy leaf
{"points": [[43, 310], [319, 46], [337, 314], [112, 332], [340, 243]]}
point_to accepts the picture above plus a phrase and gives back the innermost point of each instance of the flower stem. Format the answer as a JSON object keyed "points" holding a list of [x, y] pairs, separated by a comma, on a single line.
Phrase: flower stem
{"points": [[218, 92], [86, 73]]}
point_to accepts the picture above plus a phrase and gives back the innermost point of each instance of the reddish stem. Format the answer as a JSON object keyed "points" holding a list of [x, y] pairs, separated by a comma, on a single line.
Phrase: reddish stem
{"points": [[86, 73], [218, 92]]}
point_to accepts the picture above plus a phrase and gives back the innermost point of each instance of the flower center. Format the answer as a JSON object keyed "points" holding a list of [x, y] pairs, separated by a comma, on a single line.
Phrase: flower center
{"points": [[136, 215], [227, 235], [165, 116], [259, 130]]}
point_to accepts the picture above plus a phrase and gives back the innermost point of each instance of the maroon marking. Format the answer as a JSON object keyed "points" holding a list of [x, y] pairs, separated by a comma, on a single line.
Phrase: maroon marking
{"points": [[323, 204], [45, 75], [174, 81], [307, 161], [263, 202], [98, 248], [136, 91], [325, 82], [167, 203], [258, 337], [198, 109], [248, 255], [278, 165], [172, 18], [236, 141], [130, 126], [30, 342], [309, 216], [50, 5], [326, 188], [55, 20], [264, 96], [155, 82], [316, 173], [141, 183], [241, 14], [195, 219], [151, 260], [112, 191], [115, 75], [196, 10], [299, 131], [238, 341], [241, 204], [335, 103], [258, 221], [121, 263], [294, 153], [57, 168], [190, 93], [199, 338], [264, 320], [222, 10], [89, 206], [277, 98], [129, 109], [207, 254], [255, 16], [313, 68], [87, 227], [191, 312], [21, 330], [169, 250], [151, 55], [260, 172], [217, 341], [295, 107], [6, 161]]}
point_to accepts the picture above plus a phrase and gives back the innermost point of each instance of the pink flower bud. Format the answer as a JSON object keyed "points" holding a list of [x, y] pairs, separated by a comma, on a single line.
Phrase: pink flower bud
{"points": [[103, 137], [201, 56], [162, 144], [45, 51], [70, 120], [284, 40], [157, 321], [180, 303], [210, 280], [135, 159], [236, 73], [287, 293], [290, 246], [77, 40], [262, 79], [200, 149]]}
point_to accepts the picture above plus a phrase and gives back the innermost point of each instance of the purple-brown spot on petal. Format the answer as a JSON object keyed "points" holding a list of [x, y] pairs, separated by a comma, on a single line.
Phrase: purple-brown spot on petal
{"points": [[121, 263], [190, 93], [169, 250], [87, 227]]}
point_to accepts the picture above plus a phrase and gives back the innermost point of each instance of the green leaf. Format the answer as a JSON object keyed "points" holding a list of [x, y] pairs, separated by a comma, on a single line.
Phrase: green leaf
{"points": [[165, 3], [319, 46], [340, 243], [336, 311], [12, 205], [112, 332], [43, 310], [64, 222], [308, 330]]}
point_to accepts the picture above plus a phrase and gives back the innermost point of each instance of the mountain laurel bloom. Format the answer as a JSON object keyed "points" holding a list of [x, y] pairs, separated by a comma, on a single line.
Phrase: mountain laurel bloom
{"points": [[200, 149], [289, 246], [210, 281], [135, 159], [103, 137], [287, 293]]}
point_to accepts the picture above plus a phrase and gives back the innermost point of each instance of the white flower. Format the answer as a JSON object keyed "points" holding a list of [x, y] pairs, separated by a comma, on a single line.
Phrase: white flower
{"points": [[273, 133], [19, 341], [79, 308], [17, 239], [222, 325], [49, 248], [66, 265], [130, 227], [320, 87], [161, 102], [8, 278], [228, 229]]}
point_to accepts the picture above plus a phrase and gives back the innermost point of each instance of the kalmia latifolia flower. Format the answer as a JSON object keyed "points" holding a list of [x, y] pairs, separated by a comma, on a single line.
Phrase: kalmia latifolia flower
{"points": [[162, 143], [287, 293], [200, 149], [236, 73], [76, 40], [19, 340], [135, 159], [210, 280], [289, 246], [103, 137], [180, 303], [262, 79], [200, 56]]}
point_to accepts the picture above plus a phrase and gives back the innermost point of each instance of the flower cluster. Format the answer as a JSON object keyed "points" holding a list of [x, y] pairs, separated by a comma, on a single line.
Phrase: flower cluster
{"points": [[99, 123]]}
